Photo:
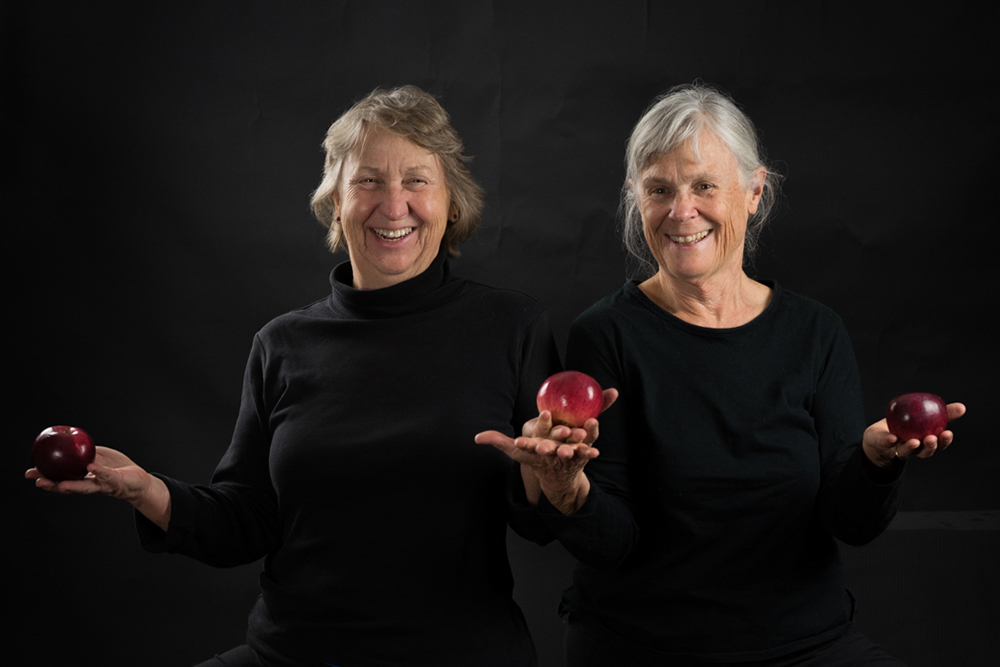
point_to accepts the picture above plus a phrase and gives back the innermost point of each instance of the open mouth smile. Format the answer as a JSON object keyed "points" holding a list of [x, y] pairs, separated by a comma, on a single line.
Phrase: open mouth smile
{"points": [[687, 240], [393, 234]]}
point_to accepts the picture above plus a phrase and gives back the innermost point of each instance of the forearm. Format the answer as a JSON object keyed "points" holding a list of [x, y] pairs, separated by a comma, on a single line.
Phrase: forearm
{"points": [[532, 489], [601, 533]]}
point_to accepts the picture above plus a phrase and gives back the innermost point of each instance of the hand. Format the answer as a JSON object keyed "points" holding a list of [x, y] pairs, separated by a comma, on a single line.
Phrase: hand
{"points": [[552, 457], [881, 446], [114, 474]]}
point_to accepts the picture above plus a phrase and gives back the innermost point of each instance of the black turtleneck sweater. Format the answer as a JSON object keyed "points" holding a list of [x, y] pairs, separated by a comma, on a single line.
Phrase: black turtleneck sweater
{"points": [[353, 470]]}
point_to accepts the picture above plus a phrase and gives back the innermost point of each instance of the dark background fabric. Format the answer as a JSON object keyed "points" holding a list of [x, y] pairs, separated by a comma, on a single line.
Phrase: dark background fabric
{"points": [[159, 160]]}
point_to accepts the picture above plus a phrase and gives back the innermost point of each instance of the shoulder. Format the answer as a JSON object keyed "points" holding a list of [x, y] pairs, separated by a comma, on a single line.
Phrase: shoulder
{"points": [[318, 309], [611, 309], [799, 319], [292, 324], [791, 305]]}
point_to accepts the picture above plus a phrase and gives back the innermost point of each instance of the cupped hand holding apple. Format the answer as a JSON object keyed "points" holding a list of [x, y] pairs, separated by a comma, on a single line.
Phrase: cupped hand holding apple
{"points": [[552, 456], [910, 414], [114, 474]]}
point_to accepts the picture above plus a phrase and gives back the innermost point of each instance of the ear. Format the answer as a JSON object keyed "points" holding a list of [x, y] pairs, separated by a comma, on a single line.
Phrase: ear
{"points": [[756, 189], [452, 212], [335, 200]]}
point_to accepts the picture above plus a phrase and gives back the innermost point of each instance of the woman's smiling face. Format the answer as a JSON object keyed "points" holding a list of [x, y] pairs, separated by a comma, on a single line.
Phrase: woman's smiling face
{"points": [[695, 208], [394, 204]]}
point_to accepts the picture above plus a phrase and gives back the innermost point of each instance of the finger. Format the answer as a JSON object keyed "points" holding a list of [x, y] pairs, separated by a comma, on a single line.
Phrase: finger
{"points": [[546, 447], [927, 447], [497, 439], [585, 451], [905, 450], [577, 435], [592, 427], [45, 483], [610, 396], [566, 451], [955, 410], [579, 450], [882, 439], [87, 485], [945, 438], [560, 433], [540, 426], [527, 444]]}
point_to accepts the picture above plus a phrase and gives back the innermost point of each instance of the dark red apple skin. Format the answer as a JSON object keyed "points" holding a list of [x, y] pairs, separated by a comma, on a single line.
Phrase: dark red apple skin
{"points": [[916, 416], [572, 398], [63, 452]]}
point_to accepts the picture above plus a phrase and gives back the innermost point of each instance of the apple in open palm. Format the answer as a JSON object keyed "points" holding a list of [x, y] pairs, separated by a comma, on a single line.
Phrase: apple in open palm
{"points": [[572, 398], [916, 416], [63, 452]]}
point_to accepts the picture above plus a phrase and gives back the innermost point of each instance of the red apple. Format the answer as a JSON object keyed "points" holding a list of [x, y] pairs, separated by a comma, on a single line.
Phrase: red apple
{"points": [[63, 452], [916, 416], [572, 398]]}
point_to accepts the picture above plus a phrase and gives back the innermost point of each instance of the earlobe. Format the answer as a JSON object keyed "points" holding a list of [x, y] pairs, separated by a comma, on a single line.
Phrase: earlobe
{"points": [[757, 189], [335, 200]]}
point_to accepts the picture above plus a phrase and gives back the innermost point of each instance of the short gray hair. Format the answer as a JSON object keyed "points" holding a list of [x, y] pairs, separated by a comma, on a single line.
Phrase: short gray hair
{"points": [[680, 115], [413, 114]]}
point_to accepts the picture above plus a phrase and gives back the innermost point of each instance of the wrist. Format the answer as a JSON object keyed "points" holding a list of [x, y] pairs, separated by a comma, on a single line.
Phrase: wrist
{"points": [[153, 501], [568, 498]]}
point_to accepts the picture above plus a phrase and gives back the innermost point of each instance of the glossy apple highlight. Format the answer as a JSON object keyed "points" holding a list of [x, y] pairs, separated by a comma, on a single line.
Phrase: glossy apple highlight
{"points": [[572, 398], [63, 452], [916, 416]]}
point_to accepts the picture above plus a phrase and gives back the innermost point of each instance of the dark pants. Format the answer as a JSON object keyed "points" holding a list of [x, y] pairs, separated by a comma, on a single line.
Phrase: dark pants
{"points": [[583, 649]]}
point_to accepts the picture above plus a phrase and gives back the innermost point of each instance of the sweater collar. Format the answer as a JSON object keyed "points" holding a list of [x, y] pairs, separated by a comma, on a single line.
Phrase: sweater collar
{"points": [[422, 292]]}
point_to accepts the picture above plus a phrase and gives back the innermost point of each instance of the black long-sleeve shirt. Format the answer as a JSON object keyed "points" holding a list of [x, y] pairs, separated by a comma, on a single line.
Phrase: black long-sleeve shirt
{"points": [[727, 467]]}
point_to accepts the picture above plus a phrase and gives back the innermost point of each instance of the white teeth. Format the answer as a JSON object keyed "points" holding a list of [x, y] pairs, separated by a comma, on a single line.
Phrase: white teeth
{"points": [[689, 239], [392, 233]]}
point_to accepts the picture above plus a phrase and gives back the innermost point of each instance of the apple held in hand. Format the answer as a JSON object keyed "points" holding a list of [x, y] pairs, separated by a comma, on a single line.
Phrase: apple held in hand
{"points": [[63, 452], [916, 416], [572, 398]]}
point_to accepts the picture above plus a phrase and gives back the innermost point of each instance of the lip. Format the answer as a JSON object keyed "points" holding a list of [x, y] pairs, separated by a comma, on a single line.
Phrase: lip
{"points": [[391, 235], [689, 240]]}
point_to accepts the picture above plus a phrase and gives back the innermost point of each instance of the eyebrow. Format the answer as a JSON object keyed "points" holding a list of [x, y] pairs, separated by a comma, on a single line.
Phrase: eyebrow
{"points": [[415, 169], [700, 176]]}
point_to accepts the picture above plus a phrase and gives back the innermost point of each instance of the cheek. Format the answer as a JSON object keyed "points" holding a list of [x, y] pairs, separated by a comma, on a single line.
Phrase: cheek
{"points": [[732, 232]]}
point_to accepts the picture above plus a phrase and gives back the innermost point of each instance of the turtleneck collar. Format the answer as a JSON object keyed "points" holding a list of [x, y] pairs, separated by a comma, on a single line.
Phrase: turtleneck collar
{"points": [[422, 292]]}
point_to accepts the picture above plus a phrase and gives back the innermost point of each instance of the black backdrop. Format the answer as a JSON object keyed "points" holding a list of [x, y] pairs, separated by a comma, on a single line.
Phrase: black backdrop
{"points": [[159, 160]]}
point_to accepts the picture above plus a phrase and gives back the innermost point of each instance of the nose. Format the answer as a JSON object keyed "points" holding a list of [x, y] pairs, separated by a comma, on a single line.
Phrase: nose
{"points": [[395, 204], [683, 206]]}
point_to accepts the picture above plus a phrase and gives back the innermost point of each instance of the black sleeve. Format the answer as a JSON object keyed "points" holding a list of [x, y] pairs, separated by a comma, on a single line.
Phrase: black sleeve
{"points": [[235, 520], [857, 499]]}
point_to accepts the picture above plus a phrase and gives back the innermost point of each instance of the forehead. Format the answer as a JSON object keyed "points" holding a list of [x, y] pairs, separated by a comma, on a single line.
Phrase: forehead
{"points": [[380, 149], [705, 153]]}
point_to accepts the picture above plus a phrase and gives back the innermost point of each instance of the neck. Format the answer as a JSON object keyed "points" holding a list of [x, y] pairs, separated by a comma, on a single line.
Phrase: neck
{"points": [[722, 302]]}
